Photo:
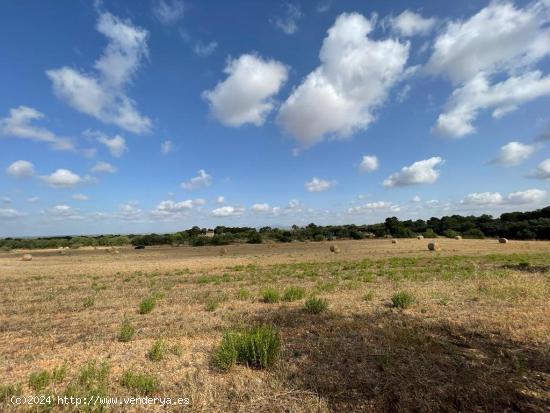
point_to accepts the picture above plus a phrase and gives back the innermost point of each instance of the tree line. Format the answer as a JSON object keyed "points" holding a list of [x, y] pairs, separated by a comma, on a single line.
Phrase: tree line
{"points": [[513, 225]]}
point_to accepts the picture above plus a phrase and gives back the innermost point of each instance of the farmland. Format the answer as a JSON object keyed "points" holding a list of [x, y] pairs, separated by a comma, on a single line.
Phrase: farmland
{"points": [[466, 328]]}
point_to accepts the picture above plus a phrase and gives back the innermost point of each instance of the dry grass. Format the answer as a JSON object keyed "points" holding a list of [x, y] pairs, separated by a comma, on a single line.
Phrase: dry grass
{"points": [[477, 337]]}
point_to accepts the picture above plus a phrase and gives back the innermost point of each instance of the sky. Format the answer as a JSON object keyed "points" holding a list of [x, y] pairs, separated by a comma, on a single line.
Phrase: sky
{"points": [[155, 116]]}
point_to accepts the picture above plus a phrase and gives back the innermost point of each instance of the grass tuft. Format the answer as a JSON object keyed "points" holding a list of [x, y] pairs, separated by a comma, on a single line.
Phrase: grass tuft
{"points": [[156, 353], [402, 300], [147, 305], [144, 384], [270, 295], [39, 380], [126, 332], [294, 294], [258, 347], [315, 305]]}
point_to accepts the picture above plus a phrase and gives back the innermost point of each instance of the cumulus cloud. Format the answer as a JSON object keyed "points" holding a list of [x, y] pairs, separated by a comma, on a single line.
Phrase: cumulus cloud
{"points": [[543, 170], [500, 38], [130, 211], [374, 206], [102, 94], [63, 211], [116, 145], [246, 95], [420, 172], [33, 199], [80, 197], [354, 78], [227, 211], [529, 196], [172, 209], [10, 213], [289, 22], [199, 181], [220, 200], [21, 169], [168, 11], [19, 124], [62, 178], [260, 208], [319, 185], [204, 49], [368, 163], [410, 23], [478, 94], [513, 153], [166, 147], [103, 167]]}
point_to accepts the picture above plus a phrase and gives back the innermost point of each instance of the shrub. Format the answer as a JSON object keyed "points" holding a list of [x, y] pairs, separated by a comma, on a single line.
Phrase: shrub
{"points": [[316, 305], [126, 332], [294, 293], [254, 238], [430, 233], [157, 351], [39, 380], [89, 301], [473, 233], [92, 373], [257, 347], [318, 237], [147, 305], [270, 295], [144, 384], [402, 300], [449, 233]]}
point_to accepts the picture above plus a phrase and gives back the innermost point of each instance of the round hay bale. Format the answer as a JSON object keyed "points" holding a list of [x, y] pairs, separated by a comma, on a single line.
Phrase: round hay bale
{"points": [[503, 240], [420, 237], [334, 249], [223, 251], [434, 246], [394, 241], [26, 257], [458, 237]]}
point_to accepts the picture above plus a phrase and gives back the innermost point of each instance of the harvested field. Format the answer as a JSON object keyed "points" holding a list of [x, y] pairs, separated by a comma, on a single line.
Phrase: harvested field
{"points": [[474, 336]]}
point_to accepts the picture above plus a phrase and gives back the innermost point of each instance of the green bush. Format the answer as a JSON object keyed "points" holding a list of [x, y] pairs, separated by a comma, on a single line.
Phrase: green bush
{"points": [[473, 233], [156, 353], [147, 305], [126, 332], [258, 347], [318, 237], [9, 390], [270, 295], [402, 300], [430, 233], [316, 305], [449, 233], [293, 294], [143, 384], [254, 238]]}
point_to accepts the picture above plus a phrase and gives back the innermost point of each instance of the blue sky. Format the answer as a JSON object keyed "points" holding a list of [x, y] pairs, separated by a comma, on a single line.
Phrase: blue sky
{"points": [[130, 117]]}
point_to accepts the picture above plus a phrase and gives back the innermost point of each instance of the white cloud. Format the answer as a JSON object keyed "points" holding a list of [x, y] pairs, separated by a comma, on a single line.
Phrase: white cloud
{"points": [[260, 208], [103, 94], [477, 94], [171, 209], [62, 178], [368, 163], [80, 197], [227, 211], [204, 49], [19, 125], [374, 206], [319, 185], [201, 180], [420, 172], [6, 200], [10, 213], [410, 23], [220, 200], [245, 96], [416, 198], [130, 211], [33, 199], [529, 196], [340, 96], [543, 170], [166, 147], [499, 37], [63, 211], [168, 11], [116, 145], [21, 169], [323, 6], [513, 153], [103, 167], [289, 23]]}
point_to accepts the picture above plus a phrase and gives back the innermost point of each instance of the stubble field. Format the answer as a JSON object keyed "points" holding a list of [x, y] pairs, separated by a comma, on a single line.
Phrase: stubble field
{"points": [[475, 335]]}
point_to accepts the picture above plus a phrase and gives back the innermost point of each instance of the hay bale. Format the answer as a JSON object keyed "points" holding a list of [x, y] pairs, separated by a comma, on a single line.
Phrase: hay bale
{"points": [[334, 249], [223, 251], [26, 257], [394, 241], [458, 237], [420, 237], [503, 240], [434, 246]]}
